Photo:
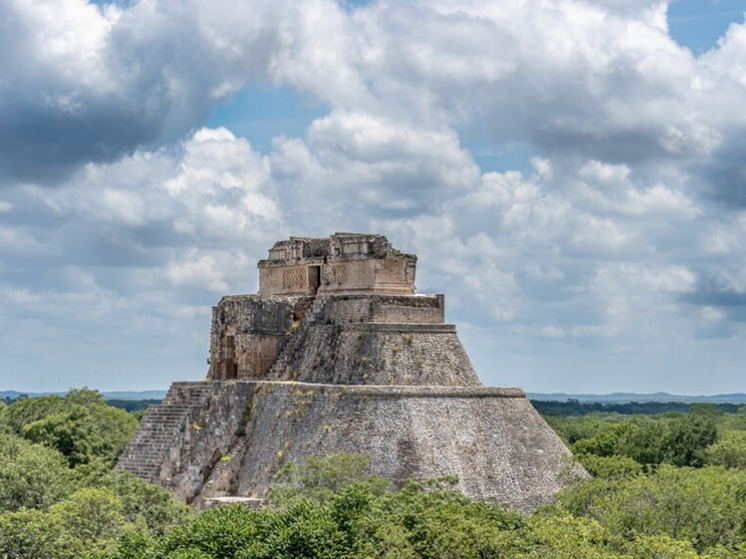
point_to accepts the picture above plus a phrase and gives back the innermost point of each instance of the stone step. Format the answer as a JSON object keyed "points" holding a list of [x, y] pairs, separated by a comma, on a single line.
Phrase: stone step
{"points": [[192, 394], [169, 407], [165, 415], [160, 419], [161, 426], [160, 437], [141, 467], [317, 310], [140, 464], [153, 462], [156, 420], [146, 449]]}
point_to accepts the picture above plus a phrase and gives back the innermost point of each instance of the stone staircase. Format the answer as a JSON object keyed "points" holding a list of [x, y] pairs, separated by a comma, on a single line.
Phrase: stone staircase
{"points": [[160, 429], [317, 310], [314, 315]]}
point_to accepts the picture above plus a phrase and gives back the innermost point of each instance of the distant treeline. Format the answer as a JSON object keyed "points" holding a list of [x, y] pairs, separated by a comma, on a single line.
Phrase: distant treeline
{"points": [[570, 407], [576, 408], [132, 405], [127, 405]]}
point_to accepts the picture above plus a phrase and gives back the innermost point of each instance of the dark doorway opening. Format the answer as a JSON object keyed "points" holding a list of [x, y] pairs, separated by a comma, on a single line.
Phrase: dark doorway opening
{"points": [[314, 279], [231, 367]]}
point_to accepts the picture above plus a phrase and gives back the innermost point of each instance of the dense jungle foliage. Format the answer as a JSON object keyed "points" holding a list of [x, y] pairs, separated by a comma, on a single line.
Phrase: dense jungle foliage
{"points": [[671, 485], [573, 407]]}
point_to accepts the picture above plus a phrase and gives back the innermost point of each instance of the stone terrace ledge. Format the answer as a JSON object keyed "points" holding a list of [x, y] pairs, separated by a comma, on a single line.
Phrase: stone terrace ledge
{"points": [[398, 327], [382, 390]]}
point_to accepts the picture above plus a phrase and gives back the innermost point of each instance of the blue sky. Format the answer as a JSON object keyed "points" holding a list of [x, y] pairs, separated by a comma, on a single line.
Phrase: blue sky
{"points": [[570, 173], [698, 24]]}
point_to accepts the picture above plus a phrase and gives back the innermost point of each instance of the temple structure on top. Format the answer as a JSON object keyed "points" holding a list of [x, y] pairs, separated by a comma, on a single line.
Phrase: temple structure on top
{"points": [[336, 353], [342, 279], [341, 263]]}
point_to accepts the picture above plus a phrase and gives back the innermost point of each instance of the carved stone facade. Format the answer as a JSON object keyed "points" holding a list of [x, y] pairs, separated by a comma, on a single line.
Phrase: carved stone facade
{"points": [[341, 263], [337, 354]]}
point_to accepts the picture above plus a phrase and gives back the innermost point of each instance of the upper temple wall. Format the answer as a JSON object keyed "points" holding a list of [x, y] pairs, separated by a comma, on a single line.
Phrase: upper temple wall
{"points": [[341, 263], [248, 332]]}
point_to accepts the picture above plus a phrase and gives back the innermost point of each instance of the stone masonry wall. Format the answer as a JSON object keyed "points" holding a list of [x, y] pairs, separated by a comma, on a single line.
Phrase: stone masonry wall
{"points": [[248, 332], [420, 309], [367, 353], [391, 275], [492, 439], [236, 441]]}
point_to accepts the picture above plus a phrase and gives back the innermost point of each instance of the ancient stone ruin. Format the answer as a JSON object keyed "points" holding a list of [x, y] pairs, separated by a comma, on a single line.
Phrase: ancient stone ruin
{"points": [[336, 353]]}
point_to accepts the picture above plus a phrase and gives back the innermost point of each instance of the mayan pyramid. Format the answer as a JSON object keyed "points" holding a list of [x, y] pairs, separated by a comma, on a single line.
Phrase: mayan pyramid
{"points": [[336, 353]]}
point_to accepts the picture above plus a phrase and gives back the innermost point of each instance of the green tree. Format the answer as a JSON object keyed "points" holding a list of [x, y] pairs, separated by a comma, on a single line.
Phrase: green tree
{"points": [[675, 439], [660, 547], [145, 504], [729, 451], [27, 410], [441, 522], [91, 520], [218, 533], [706, 410], [705, 506], [31, 534], [559, 535], [31, 475], [320, 477], [81, 426], [686, 439], [86, 524]]}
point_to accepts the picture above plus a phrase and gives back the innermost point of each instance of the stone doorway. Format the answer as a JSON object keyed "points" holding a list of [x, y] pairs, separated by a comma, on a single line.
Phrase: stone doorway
{"points": [[231, 367], [314, 279]]}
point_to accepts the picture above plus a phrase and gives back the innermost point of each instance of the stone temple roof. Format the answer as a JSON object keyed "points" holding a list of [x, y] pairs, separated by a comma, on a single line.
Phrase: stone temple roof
{"points": [[339, 246]]}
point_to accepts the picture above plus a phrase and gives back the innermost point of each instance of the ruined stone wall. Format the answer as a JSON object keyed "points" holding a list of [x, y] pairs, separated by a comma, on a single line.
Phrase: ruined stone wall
{"points": [[236, 441], [492, 439], [248, 332], [366, 353], [421, 309], [390, 275]]}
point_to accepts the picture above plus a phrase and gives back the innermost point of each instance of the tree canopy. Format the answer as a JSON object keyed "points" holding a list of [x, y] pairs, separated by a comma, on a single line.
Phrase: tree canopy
{"points": [[670, 486]]}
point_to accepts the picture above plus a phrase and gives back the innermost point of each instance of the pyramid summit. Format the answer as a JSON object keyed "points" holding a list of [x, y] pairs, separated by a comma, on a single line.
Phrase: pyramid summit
{"points": [[337, 353]]}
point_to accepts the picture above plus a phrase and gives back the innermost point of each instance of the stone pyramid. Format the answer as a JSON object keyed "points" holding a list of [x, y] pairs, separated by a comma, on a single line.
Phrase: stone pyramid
{"points": [[336, 353]]}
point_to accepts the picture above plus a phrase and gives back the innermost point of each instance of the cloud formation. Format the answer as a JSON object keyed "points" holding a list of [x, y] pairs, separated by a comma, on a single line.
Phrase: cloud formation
{"points": [[611, 261]]}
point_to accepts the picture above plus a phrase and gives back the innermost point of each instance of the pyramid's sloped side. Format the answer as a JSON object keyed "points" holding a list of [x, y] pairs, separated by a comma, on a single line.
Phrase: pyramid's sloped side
{"points": [[495, 442], [243, 432], [373, 353]]}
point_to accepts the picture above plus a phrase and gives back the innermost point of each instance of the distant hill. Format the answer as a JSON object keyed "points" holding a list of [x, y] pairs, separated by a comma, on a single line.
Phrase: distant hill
{"points": [[626, 397], [616, 397], [130, 395], [115, 395]]}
